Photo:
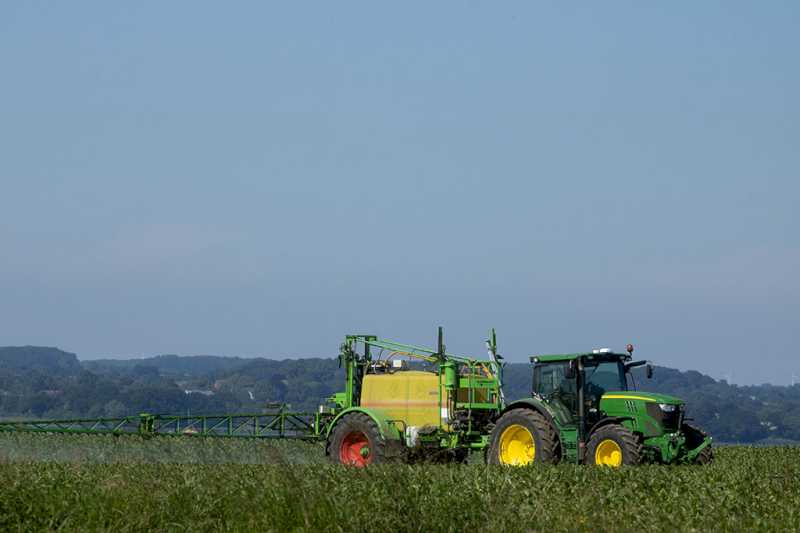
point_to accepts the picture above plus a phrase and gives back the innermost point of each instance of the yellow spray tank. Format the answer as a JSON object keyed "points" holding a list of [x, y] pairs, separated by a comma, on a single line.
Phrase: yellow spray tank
{"points": [[444, 403], [412, 396]]}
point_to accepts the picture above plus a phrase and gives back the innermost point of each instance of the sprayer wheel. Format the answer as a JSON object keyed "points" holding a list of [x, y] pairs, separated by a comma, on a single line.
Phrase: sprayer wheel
{"points": [[356, 441]]}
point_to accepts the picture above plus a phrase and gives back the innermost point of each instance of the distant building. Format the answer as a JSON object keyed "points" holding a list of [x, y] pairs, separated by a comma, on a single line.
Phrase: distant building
{"points": [[196, 391]]}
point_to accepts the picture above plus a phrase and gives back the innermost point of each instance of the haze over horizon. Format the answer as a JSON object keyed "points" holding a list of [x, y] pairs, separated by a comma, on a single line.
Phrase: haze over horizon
{"points": [[728, 377], [260, 181]]}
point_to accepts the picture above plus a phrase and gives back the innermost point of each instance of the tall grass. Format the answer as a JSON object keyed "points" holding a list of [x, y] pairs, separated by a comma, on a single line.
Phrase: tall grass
{"points": [[174, 484], [17, 447]]}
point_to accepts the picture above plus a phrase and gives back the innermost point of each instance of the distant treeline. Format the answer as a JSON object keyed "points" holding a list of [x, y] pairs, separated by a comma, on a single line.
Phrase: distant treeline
{"points": [[50, 383]]}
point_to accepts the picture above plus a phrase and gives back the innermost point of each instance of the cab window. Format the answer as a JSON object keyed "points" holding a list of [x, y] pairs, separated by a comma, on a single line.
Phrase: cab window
{"points": [[549, 381], [605, 376], [549, 377]]}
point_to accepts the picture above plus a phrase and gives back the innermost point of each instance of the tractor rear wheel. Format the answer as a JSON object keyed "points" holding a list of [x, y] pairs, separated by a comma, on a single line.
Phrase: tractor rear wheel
{"points": [[522, 437], [356, 441], [614, 445]]}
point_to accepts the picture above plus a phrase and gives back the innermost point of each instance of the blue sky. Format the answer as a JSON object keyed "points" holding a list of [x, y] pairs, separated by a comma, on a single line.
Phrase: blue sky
{"points": [[261, 179]]}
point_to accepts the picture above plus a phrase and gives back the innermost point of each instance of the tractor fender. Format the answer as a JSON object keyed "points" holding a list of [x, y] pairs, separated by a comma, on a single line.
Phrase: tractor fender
{"points": [[388, 431], [534, 404], [696, 451], [606, 421]]}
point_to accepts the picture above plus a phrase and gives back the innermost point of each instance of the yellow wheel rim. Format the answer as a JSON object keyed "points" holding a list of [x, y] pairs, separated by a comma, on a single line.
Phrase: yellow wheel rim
{"points": [[517, 447], [608, 453]]}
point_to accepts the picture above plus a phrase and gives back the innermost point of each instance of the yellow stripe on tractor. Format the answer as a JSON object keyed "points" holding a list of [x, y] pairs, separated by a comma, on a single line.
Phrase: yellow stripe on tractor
{"points": [[626, 397]]}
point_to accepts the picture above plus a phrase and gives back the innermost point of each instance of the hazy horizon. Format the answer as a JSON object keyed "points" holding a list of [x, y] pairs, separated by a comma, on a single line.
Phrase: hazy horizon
{"points": [[121, 357]]}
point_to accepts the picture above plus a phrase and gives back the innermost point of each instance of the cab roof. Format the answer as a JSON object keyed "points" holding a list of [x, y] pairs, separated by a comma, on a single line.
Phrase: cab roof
{"points": [[595, 354]]}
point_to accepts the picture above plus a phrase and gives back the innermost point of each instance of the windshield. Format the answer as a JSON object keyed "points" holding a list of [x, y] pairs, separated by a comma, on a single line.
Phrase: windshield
{"points": [[604, 376]]}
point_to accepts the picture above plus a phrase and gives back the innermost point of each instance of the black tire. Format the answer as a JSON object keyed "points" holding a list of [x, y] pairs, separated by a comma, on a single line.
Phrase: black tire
{"points": [[626, 442], [351, 431], [706, 456], [694, 438], [545, 440]]}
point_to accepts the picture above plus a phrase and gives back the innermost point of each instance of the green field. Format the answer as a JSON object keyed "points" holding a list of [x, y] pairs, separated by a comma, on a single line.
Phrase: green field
{"points": [[126, 483]]}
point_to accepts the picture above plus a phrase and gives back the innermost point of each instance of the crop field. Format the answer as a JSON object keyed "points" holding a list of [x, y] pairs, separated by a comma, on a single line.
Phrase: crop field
{"points": [[173, 484]]}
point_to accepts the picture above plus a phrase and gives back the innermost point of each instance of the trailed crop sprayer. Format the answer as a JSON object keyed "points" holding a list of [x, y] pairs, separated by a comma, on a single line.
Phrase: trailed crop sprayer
{"points": [[403, 402]]}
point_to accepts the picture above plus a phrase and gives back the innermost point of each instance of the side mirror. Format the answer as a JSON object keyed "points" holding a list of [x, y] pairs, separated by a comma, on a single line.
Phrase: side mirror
{"points": [[648, 370], [569, 372]]}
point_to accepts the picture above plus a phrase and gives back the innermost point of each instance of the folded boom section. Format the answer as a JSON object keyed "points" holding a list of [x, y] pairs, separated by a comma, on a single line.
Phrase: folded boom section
{"points": [[281, 424]]}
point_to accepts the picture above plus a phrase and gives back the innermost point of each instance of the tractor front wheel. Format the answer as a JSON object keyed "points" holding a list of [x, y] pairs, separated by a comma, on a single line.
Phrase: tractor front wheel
{"points": [[522, 437], [705, 457], [356, 441], [694, 438], [613, 445]]}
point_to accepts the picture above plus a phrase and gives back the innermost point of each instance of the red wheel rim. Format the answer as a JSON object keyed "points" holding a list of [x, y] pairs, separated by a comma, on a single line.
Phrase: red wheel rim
{"points": [[355, 450]]}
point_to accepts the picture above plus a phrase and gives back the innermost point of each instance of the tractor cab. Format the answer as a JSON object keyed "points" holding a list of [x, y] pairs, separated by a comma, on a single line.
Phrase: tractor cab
{"points": [[571, 381]]}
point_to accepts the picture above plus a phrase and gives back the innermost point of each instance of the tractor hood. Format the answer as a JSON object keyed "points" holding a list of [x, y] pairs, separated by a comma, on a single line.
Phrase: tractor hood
{"points": [[641, 396]]}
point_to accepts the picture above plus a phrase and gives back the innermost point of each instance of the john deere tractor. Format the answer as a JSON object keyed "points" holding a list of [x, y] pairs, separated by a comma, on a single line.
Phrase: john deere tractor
{"points": [[584, 408]]}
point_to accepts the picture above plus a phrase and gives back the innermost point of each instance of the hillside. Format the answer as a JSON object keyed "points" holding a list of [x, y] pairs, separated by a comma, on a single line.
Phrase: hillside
{"points": [[50, 383], [168, 365], [52, 361]]}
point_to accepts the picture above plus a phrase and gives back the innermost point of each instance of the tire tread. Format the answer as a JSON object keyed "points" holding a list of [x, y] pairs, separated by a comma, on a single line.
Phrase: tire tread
{"points": [[631, 444], [359, 422], [546, 448]]}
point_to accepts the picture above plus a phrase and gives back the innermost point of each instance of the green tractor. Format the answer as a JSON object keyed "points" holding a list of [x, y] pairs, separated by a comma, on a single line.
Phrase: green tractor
{"points": [[584, 408]]}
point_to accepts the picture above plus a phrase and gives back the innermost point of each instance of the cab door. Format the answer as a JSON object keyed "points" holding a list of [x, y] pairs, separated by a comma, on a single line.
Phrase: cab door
{"points": [[551, 382]]}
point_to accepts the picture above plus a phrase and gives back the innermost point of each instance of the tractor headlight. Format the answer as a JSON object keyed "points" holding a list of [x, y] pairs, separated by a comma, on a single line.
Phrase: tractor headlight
{"points": [[668, 407]]}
